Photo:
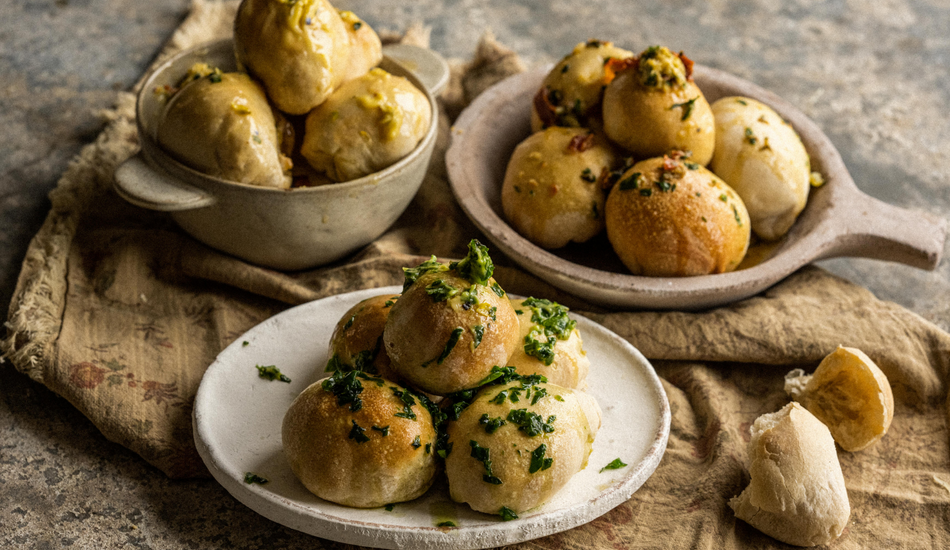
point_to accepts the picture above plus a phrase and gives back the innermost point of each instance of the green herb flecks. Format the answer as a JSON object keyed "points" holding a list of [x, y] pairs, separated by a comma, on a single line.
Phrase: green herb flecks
{"points": [[588, 175], [245, 344], [646, 192], [687, 107], [723, 197], [357, 25], [445, 524], [496, 288], [616, 464], [691, 165], [538, 460], [389, 303], [271, 373], [250, 477], [631, 182], [742, 101], [531, 423], [491, 425], [390, 507], [507, 514], [735, 212], [407, 403], [477, 266], [384, 430], [551, 324], [358, 433], [450, 345], [413, 273], [750, 137], [346, 386], [417, 442], [440, 291], [349, 323], [665, 186], [478, 332], [594, 210], [483, 454]]}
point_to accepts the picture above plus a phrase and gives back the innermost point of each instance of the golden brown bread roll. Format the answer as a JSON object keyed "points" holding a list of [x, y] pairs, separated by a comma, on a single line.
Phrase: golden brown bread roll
{"points": [[564, 362], [797, 492], [357, 340], [552, 191], [366, 50], [667, 217], [653, 107], [366, 125], [518, 454], [360, 441], [451, 325], [222, 125]]}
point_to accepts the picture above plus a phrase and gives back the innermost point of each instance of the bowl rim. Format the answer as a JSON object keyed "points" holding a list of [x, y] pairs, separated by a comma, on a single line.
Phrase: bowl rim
{"points": [[157, 155]]}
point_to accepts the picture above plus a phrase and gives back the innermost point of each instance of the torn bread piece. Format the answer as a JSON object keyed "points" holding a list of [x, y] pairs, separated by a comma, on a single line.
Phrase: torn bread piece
{"points": [[797, 493]]}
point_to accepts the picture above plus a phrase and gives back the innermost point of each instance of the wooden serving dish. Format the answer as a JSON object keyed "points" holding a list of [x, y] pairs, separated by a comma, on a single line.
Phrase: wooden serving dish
{"points": [[839, 219]]}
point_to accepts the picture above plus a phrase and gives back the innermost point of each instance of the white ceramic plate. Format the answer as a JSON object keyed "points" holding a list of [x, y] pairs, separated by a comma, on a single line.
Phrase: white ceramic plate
{"points": [[238, 415]]}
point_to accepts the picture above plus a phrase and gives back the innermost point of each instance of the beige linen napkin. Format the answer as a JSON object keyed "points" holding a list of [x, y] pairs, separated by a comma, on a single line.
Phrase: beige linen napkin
{"points": [[120, 312]]}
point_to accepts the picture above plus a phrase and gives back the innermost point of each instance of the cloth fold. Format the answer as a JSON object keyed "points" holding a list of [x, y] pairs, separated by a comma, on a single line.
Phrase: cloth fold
{"points": [[120, 312]]}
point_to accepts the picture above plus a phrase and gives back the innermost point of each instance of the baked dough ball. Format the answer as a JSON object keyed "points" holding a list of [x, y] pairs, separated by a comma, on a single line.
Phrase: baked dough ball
{"points": [[366, 125], [366, 50], [667, 217], [797, 493], [451, 325], [761, 156], [222, 125], [571, 93], [552, 192], [849, 394], [360, 441], [357, 340], [654, 106], [299, 50], [550, 344], [518, 454]]}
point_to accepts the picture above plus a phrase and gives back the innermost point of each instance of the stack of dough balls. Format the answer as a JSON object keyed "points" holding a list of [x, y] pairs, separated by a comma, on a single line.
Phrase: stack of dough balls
{"points": [[797, 493], [305, 67], [512, 424], [621, 143]]}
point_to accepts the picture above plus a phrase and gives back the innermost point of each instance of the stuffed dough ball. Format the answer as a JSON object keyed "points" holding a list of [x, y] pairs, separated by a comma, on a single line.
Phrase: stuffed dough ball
{"points": [[667, 217], [552, 193], [550, 344], [366, 125], [299, 50], [357, 340], [360, 441], [366, 50], [518, 444], [571, 93], [653, 107], [222, 125], [761, 156], [451, 325]]}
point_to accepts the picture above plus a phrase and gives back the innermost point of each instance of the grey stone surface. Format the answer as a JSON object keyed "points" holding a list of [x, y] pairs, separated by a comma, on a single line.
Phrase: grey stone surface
{"points": [[873, 74]]}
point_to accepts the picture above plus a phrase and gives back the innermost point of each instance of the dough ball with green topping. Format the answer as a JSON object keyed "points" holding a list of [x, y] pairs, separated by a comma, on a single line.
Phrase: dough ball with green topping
{"points": [[667, 217], [357, 340], [222, 125], [360, 441], [653, 106], [550, 344], [518, 444], [571, 93], [553, 188], [367, 124], [763, 159], [299, 50]]}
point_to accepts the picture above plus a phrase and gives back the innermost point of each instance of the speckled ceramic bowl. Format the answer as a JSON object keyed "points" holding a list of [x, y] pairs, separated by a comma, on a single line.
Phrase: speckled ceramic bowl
{"points": [[288, 229]]}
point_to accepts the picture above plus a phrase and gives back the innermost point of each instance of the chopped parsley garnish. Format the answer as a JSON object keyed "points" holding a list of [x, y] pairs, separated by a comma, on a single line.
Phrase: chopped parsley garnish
{"points": [[389, 303], [551, 324], [736, 213], [616, 464], [445, 524], [347, 389], [215, 77], [417, 442], [631, 182], [358, 433], [384, 430], [478, 332], [687, 107], [588, 175], [565, 68], [723, 197], [665, 186], [429, 448], [429, 266], [491, 313], [496, 288], [450, 345], [742, 101], [477, 266], [594, 212], [691, 165], [407, 402], [538, 394], [245, 343], [390, 507], [357, 25], [491, 425], [531, 423], [271, 373], [750, 137], [538, 460], [646, 192], [349, 323], [250, 477], [440, 291], [507, 514], [483, 454]]}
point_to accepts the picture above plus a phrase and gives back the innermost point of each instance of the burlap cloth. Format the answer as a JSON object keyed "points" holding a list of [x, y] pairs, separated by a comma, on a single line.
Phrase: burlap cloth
{"points": [[120, 312]]}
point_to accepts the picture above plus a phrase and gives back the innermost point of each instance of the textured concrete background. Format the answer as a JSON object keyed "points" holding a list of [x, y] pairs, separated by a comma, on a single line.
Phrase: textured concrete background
{"points": [[873, 74]]}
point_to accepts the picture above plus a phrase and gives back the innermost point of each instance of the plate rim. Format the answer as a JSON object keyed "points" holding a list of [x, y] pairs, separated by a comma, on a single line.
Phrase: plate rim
{"points": [[271, 505]]}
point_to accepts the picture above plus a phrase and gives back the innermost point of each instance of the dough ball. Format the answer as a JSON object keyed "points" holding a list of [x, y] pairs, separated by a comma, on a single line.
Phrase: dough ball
{"points": [[761, 156], [564, 362], [850, 394], [518, 454], [667, 217], [366, 50], [367, 124], [451, 325], [299, 50], [654, 107], [552, 192], [222, 125], [797, 493], [360, 441], [571, 93], [357, 340]]}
